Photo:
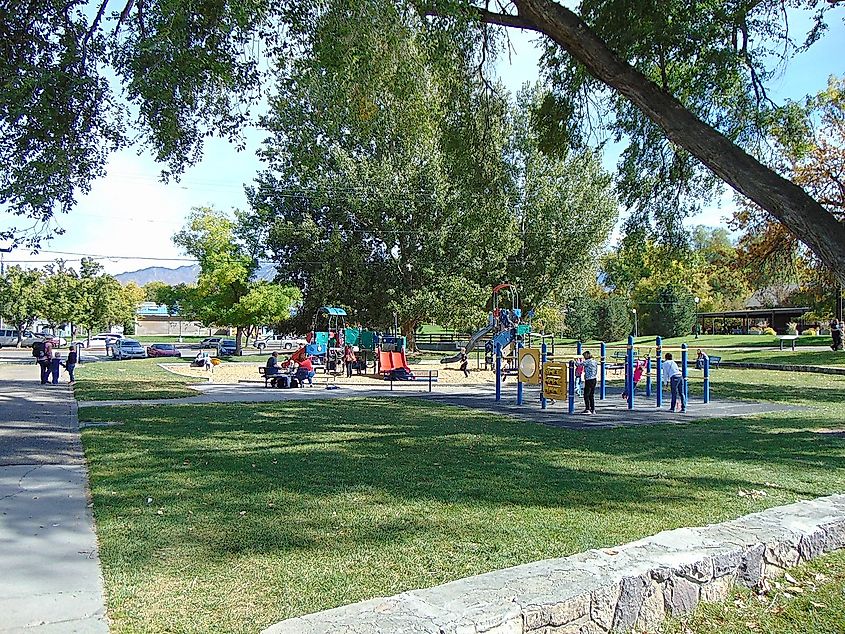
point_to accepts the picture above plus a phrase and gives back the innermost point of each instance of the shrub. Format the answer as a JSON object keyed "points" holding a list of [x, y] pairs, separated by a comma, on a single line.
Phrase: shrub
{"points": [[769, 331], [810, 332], [673, 314], [792, 328], [614, 318]]}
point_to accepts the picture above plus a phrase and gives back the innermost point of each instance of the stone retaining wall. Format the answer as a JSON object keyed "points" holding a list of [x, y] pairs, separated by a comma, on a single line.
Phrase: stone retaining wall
{"points": [[633, 586]]}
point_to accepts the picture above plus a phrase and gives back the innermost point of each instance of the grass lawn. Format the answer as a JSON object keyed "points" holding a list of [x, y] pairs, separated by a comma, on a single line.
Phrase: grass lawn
{"points": [[786, 357], [231, 517], [814, 603], [135, 379]]}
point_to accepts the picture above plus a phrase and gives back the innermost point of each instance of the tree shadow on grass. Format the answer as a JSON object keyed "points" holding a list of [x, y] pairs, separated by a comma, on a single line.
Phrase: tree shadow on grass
{"points": [[394, 470]]}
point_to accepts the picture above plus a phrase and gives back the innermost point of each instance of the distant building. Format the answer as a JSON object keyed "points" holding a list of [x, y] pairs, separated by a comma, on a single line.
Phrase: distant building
{"points": [[153, 319]]}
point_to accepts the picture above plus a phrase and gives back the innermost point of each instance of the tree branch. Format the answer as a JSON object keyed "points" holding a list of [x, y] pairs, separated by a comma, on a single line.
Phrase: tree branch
{"points": [[505, 19]]}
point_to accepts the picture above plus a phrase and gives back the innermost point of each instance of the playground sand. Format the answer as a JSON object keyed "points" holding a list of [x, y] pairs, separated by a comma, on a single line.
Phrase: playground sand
{"points": [[229, 373]]}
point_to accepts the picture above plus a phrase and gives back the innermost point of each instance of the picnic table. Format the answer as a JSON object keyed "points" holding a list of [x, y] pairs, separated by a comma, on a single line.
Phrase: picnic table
{"points": [[280, 379], [790, 338]]}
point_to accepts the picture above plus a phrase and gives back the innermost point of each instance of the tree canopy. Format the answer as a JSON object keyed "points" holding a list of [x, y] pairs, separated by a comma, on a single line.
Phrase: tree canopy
{"points": [[686, 83]]}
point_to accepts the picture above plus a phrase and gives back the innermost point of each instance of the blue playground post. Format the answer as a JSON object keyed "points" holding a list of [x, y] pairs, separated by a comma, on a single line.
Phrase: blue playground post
{"points": [[518, 382], [659, 372], [570, 379], [498, 372], [648, 376], [543, 358], [579, 348], [629, 372], [684, 371], [706, 379], [603, 372]]}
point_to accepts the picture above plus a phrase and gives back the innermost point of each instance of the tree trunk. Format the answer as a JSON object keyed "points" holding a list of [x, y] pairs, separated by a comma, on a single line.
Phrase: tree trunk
{"points": [[239, 331], [808, 220], [409, 331]]}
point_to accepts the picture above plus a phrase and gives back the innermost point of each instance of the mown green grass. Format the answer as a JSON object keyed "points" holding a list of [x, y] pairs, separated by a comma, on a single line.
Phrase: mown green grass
{"points": [[125, 380], [814, 604], [231, 517]]}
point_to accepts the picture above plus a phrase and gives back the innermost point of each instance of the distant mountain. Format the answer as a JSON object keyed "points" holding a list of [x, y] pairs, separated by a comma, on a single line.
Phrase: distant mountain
{"points": [[181, 275]]}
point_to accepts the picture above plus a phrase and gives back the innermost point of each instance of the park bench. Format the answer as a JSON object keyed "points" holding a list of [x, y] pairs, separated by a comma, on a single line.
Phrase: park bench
{"points": [[281, 380], [790, 338]]}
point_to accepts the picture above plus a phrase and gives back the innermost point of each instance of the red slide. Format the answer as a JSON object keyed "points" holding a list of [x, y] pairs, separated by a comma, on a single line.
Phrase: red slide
{"points": [[392, 361]]}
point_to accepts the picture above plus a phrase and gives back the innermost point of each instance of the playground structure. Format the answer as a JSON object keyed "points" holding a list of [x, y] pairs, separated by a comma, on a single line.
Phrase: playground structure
{"points": [[504, 323], [384, 353], [557, 374]]}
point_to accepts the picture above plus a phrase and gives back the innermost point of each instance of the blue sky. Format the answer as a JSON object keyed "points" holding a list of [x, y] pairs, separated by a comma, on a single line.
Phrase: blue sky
{"points": [[130, 213]]}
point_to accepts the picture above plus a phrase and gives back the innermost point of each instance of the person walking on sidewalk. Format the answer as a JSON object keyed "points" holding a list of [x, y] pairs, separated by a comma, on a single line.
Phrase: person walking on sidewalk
{"points": [[70, 364], [56, 367], [673, 376]]}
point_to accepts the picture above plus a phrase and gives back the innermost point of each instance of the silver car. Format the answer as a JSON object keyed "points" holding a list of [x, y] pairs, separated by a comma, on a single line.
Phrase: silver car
{"points": [[279, 342], [127, 349]]}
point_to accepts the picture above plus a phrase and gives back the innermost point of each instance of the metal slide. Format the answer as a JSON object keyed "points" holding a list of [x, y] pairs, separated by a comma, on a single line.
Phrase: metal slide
{"points": [[470, 346]]}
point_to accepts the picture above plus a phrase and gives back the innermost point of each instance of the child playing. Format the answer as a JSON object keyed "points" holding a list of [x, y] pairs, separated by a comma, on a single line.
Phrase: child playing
{"points": [[639, 369]]}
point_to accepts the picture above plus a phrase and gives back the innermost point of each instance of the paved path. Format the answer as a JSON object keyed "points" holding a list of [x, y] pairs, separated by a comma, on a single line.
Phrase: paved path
{"points": [[611, 412], [49, 565]]}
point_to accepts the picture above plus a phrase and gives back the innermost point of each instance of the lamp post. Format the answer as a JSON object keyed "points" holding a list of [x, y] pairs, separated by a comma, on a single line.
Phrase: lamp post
{"points": [[697, 300], [634, 310]]}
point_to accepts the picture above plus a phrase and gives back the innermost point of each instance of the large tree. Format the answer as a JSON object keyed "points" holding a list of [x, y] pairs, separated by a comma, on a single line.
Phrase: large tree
{"points": [[191, 68], [388, 195], [21, 293]]}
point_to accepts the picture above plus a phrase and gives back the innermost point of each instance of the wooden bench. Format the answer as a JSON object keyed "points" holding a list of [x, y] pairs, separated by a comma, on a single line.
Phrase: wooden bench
{"points": [[275, 379]]}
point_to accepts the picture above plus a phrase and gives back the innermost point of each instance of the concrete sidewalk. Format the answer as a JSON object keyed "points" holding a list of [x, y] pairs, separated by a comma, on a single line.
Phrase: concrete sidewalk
{"points": [[51, 579]]}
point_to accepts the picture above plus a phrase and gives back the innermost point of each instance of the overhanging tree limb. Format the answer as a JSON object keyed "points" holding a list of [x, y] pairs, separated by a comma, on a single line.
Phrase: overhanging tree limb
{"points": [[787, 202]]}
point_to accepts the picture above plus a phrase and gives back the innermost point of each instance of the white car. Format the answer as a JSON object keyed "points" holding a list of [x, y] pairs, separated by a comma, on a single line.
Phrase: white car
{"points": [[279, 342], [127, 349], [104, 338]]}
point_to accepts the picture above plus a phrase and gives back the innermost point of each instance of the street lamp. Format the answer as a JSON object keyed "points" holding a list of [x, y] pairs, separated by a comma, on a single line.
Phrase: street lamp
{"points": [[697, 300], [634, 310]]}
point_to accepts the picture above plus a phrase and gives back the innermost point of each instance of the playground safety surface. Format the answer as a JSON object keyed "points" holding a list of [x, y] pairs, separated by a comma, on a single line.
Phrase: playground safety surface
{"points": [[611, 412]]}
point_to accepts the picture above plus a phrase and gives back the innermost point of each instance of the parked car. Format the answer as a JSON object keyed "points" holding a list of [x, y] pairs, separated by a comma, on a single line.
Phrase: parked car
{"points": [[163, 350], [279, 342], [210, 342], [58, 342], [126, 349], [226, 347], [8, 337], [104, 339]]}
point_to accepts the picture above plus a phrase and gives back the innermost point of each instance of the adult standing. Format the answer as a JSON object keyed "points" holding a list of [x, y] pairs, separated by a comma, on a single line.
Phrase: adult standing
{"points": [[836, 334], [39, 351], [674, 377], [591, 372], [349, 359]]}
